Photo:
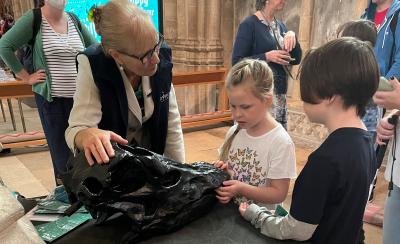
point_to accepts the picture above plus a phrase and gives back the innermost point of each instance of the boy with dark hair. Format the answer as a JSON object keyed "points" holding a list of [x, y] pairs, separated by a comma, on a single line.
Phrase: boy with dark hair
{"points": [[336, 82], [363, 29]]}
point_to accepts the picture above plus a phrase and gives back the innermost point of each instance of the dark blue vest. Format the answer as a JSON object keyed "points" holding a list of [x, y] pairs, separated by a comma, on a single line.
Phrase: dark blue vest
{"points": [[114, 103]]}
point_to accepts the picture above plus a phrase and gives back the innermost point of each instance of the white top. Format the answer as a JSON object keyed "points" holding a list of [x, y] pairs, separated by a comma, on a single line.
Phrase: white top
{"points": [[396, 168], [257, 160], [86, 112], [60, 51]]}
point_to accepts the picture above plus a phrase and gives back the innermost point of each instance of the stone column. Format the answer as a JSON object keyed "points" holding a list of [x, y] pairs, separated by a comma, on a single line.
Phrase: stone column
{"points": [[198, 40], [196, 44], [21, 6], [304, 37], [360, 8]]}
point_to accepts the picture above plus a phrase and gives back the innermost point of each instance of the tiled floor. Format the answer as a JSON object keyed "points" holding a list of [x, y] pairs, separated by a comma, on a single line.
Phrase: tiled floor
{"points": [[29, 170]]}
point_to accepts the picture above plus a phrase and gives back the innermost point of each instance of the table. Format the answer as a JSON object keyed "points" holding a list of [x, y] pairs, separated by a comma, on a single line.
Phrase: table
{"points": [[15, 89], [222, 225]]}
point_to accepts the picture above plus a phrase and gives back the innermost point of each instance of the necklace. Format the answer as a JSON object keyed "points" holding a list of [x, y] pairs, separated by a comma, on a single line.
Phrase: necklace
{"points": [[270, 23]]}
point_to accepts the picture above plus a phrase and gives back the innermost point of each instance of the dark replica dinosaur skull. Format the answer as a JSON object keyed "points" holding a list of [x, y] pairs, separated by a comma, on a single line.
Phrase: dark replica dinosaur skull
{"points": [[158, 194]]}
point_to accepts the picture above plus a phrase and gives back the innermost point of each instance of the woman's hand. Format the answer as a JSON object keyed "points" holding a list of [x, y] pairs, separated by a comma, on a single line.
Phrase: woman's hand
{"points": [[289, 41], [229, 189], [96, 142], [389, 99], [384, 131], [278, 56], [37, 77], [243, 207]]}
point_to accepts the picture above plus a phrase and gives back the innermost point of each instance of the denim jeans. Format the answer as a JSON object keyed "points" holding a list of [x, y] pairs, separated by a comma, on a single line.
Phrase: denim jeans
{"points": [[391, 221], [54, 118], [371, 116]]}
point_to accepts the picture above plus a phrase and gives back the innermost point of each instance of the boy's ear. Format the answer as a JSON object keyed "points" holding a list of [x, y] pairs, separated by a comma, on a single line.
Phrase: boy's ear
{"points": [[331, 100]]}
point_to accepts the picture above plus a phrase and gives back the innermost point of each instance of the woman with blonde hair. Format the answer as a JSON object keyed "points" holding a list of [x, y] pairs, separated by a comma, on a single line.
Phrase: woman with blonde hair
{"points": [[124, 90]]}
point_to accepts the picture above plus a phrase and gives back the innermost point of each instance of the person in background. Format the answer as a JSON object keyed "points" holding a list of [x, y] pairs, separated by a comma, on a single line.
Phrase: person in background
{"points": [[365, 30], [385, 15], [124, 91], [257, 152], [262, 36], [336, 82], [385, 132], [56, 45], [1, 26], [6, 24]]}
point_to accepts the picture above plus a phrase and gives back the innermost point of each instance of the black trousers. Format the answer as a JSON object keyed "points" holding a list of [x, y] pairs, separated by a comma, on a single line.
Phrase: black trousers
{"points": [[54, 118]]}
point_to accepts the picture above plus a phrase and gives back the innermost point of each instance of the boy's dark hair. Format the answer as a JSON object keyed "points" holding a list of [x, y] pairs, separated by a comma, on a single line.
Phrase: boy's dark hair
{"points": [[363, 29], [346, 67]]}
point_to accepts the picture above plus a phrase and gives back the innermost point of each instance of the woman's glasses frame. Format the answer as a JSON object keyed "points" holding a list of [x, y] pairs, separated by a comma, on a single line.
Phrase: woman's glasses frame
{"points": [[146, 57]]}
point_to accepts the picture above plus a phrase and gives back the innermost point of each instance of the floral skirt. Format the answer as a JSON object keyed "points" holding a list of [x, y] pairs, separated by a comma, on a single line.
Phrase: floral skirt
{"points": [[280, 111]]}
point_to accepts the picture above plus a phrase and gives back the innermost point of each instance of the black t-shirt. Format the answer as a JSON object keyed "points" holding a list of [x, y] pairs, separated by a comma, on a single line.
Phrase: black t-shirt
{"points": [[332, 189]]}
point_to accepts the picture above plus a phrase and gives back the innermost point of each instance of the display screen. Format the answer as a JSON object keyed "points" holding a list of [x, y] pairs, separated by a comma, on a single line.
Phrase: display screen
{"points": [[81, 9]]}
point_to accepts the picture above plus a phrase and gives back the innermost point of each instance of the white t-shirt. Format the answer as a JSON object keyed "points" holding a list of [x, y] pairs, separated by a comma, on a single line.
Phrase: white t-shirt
{"points": [[257, 160]]}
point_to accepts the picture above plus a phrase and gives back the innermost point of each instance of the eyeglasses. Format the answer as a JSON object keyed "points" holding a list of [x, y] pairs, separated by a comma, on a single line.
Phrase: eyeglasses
{"points": [[145, 58]]}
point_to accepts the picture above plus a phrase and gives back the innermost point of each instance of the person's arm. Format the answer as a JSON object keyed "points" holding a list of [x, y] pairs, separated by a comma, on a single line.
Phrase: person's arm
{"points": [[295, 52], [174, 146], [86, 111], [395, 68], [389, 99], [15, 38], [276, 192], [282, 167], [244, 42], [278, 227], [82, 133], [310, 195], [384, 130]]}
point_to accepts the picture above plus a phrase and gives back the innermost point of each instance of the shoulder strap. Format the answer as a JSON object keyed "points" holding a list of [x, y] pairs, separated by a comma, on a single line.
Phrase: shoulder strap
{"points": [[393, 22], [37, 22], [76, 21], [393, 25]]}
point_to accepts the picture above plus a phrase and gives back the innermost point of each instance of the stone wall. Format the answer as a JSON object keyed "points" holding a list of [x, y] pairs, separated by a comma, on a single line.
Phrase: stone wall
{"points": [[329, 15]]}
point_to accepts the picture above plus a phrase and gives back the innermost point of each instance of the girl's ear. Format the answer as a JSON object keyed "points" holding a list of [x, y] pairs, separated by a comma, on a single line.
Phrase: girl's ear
{"points": [[269, 100]]}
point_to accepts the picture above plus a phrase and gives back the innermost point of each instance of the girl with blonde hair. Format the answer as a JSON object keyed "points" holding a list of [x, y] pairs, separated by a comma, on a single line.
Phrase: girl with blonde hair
{"points": [[258, 152]]}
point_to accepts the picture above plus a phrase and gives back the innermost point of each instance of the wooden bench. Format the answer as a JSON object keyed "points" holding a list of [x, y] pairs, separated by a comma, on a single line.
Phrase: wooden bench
{"points": [[19, 89], [17, 140], [216, 77]]}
